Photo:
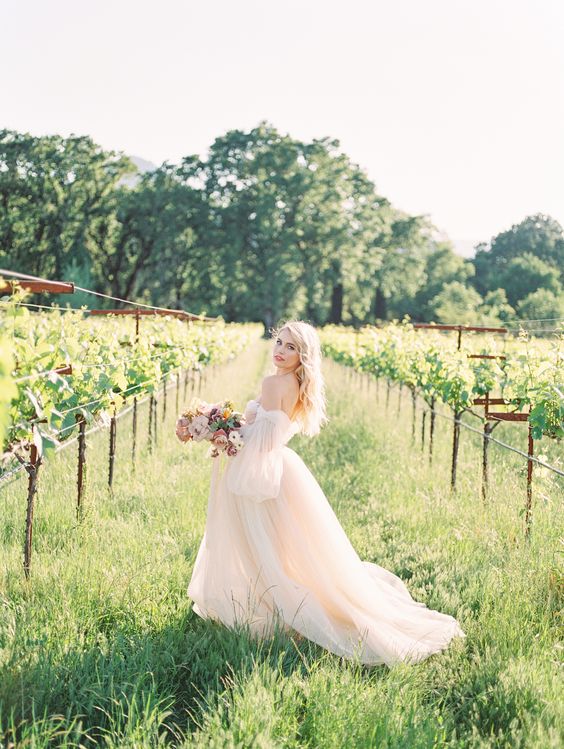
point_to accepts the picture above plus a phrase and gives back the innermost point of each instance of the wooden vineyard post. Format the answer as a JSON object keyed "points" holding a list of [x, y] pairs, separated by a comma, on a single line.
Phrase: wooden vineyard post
{"points": [[414, 405], [134, 419], [455, 445], [431, 429], [514, 416], [134, 431], [528, 507], [185, 383], [81, 474], [488, 427], [456, 430], [485, 446], [177, 391], [377, 390], [33, 470], [399, 398], [112, 455], [165, 378], [423, 416], [150, 434], [155, 420], [387, 393]]}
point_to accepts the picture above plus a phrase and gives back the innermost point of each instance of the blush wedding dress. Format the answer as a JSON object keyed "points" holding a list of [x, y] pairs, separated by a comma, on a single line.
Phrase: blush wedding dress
{"points": [[274, 550]]}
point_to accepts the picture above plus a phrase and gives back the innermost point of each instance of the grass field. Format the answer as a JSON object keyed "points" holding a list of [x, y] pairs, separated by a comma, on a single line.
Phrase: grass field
{"points": [[100, 646]]}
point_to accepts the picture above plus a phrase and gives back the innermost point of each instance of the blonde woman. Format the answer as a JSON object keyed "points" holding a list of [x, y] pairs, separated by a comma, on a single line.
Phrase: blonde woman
{"points": [[274, 554]]}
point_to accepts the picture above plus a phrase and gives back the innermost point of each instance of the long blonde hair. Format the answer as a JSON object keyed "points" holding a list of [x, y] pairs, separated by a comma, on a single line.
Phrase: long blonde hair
{"points": [[310, 409]]}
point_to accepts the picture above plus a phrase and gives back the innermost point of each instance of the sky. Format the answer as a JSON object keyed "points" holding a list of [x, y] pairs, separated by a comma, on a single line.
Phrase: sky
{"points": [[455, 108]]}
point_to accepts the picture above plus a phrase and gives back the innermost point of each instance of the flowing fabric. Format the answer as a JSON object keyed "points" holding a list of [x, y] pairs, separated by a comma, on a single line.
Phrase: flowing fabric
{"points": [[274, 550], [256, 471]]}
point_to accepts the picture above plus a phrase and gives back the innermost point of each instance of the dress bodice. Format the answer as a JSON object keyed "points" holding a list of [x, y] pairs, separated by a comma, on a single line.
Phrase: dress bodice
{"points": [[256, 470]]}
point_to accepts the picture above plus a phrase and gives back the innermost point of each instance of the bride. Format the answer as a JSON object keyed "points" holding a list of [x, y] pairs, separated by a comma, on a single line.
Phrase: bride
{"points": [[274, 552]]}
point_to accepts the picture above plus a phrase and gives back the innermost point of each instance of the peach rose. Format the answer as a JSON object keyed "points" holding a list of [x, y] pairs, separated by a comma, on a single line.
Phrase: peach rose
{"points": [[182, 431], [219, 438]]}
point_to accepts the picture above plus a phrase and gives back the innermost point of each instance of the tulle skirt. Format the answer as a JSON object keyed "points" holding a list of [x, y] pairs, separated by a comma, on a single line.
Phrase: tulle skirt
{"points": [[288, 560]]}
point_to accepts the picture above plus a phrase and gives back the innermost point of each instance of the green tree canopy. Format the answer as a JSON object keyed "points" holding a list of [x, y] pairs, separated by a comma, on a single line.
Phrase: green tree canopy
{"points": [[526, 273], [538, 235], [53, 194], [457, 304], [263, 227], [540, 305]]}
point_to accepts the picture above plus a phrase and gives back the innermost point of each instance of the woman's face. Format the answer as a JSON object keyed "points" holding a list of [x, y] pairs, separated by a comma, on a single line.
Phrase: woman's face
{"points": [[285, 354]]}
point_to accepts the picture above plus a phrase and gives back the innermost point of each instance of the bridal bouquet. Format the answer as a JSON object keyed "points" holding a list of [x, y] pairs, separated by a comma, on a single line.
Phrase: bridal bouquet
{"points": [[218, 423]]}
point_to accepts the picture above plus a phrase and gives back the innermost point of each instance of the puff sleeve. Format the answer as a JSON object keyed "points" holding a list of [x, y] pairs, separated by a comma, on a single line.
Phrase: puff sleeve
{"points": [[256, 471]]}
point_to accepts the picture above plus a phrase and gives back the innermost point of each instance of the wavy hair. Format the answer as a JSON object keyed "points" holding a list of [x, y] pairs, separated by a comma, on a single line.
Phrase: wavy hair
{"points": [[310, 409]]}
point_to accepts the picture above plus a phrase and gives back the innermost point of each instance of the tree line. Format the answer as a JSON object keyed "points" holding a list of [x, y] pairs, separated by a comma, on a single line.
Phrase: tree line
{"points": [[263, 227]]}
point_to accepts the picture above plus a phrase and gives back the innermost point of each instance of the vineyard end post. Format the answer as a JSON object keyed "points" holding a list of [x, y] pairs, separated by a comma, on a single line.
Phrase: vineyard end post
{"points": [[112, 454], [33, 471], [80, 481], [530, 454]]}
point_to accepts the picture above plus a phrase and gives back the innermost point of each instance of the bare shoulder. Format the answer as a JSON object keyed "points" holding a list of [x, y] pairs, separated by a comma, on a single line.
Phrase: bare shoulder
{"points": [[284, 385], [280, 391], [274, 385]]}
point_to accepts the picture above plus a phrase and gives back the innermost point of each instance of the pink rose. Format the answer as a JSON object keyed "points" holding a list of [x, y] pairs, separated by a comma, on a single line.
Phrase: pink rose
{"points": [[231, 449], [199, 428]]}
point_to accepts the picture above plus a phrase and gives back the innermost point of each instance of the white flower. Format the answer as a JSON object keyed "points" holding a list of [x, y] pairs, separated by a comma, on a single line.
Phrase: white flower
{"points": [[236, 439]]}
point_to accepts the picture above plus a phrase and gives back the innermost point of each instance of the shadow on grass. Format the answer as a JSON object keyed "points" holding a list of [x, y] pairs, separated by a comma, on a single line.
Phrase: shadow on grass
{"points": [[122, 682]]}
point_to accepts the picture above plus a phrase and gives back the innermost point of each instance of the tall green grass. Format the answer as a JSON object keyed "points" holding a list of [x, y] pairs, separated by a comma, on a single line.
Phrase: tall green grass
{"points": [[100, 647]]}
